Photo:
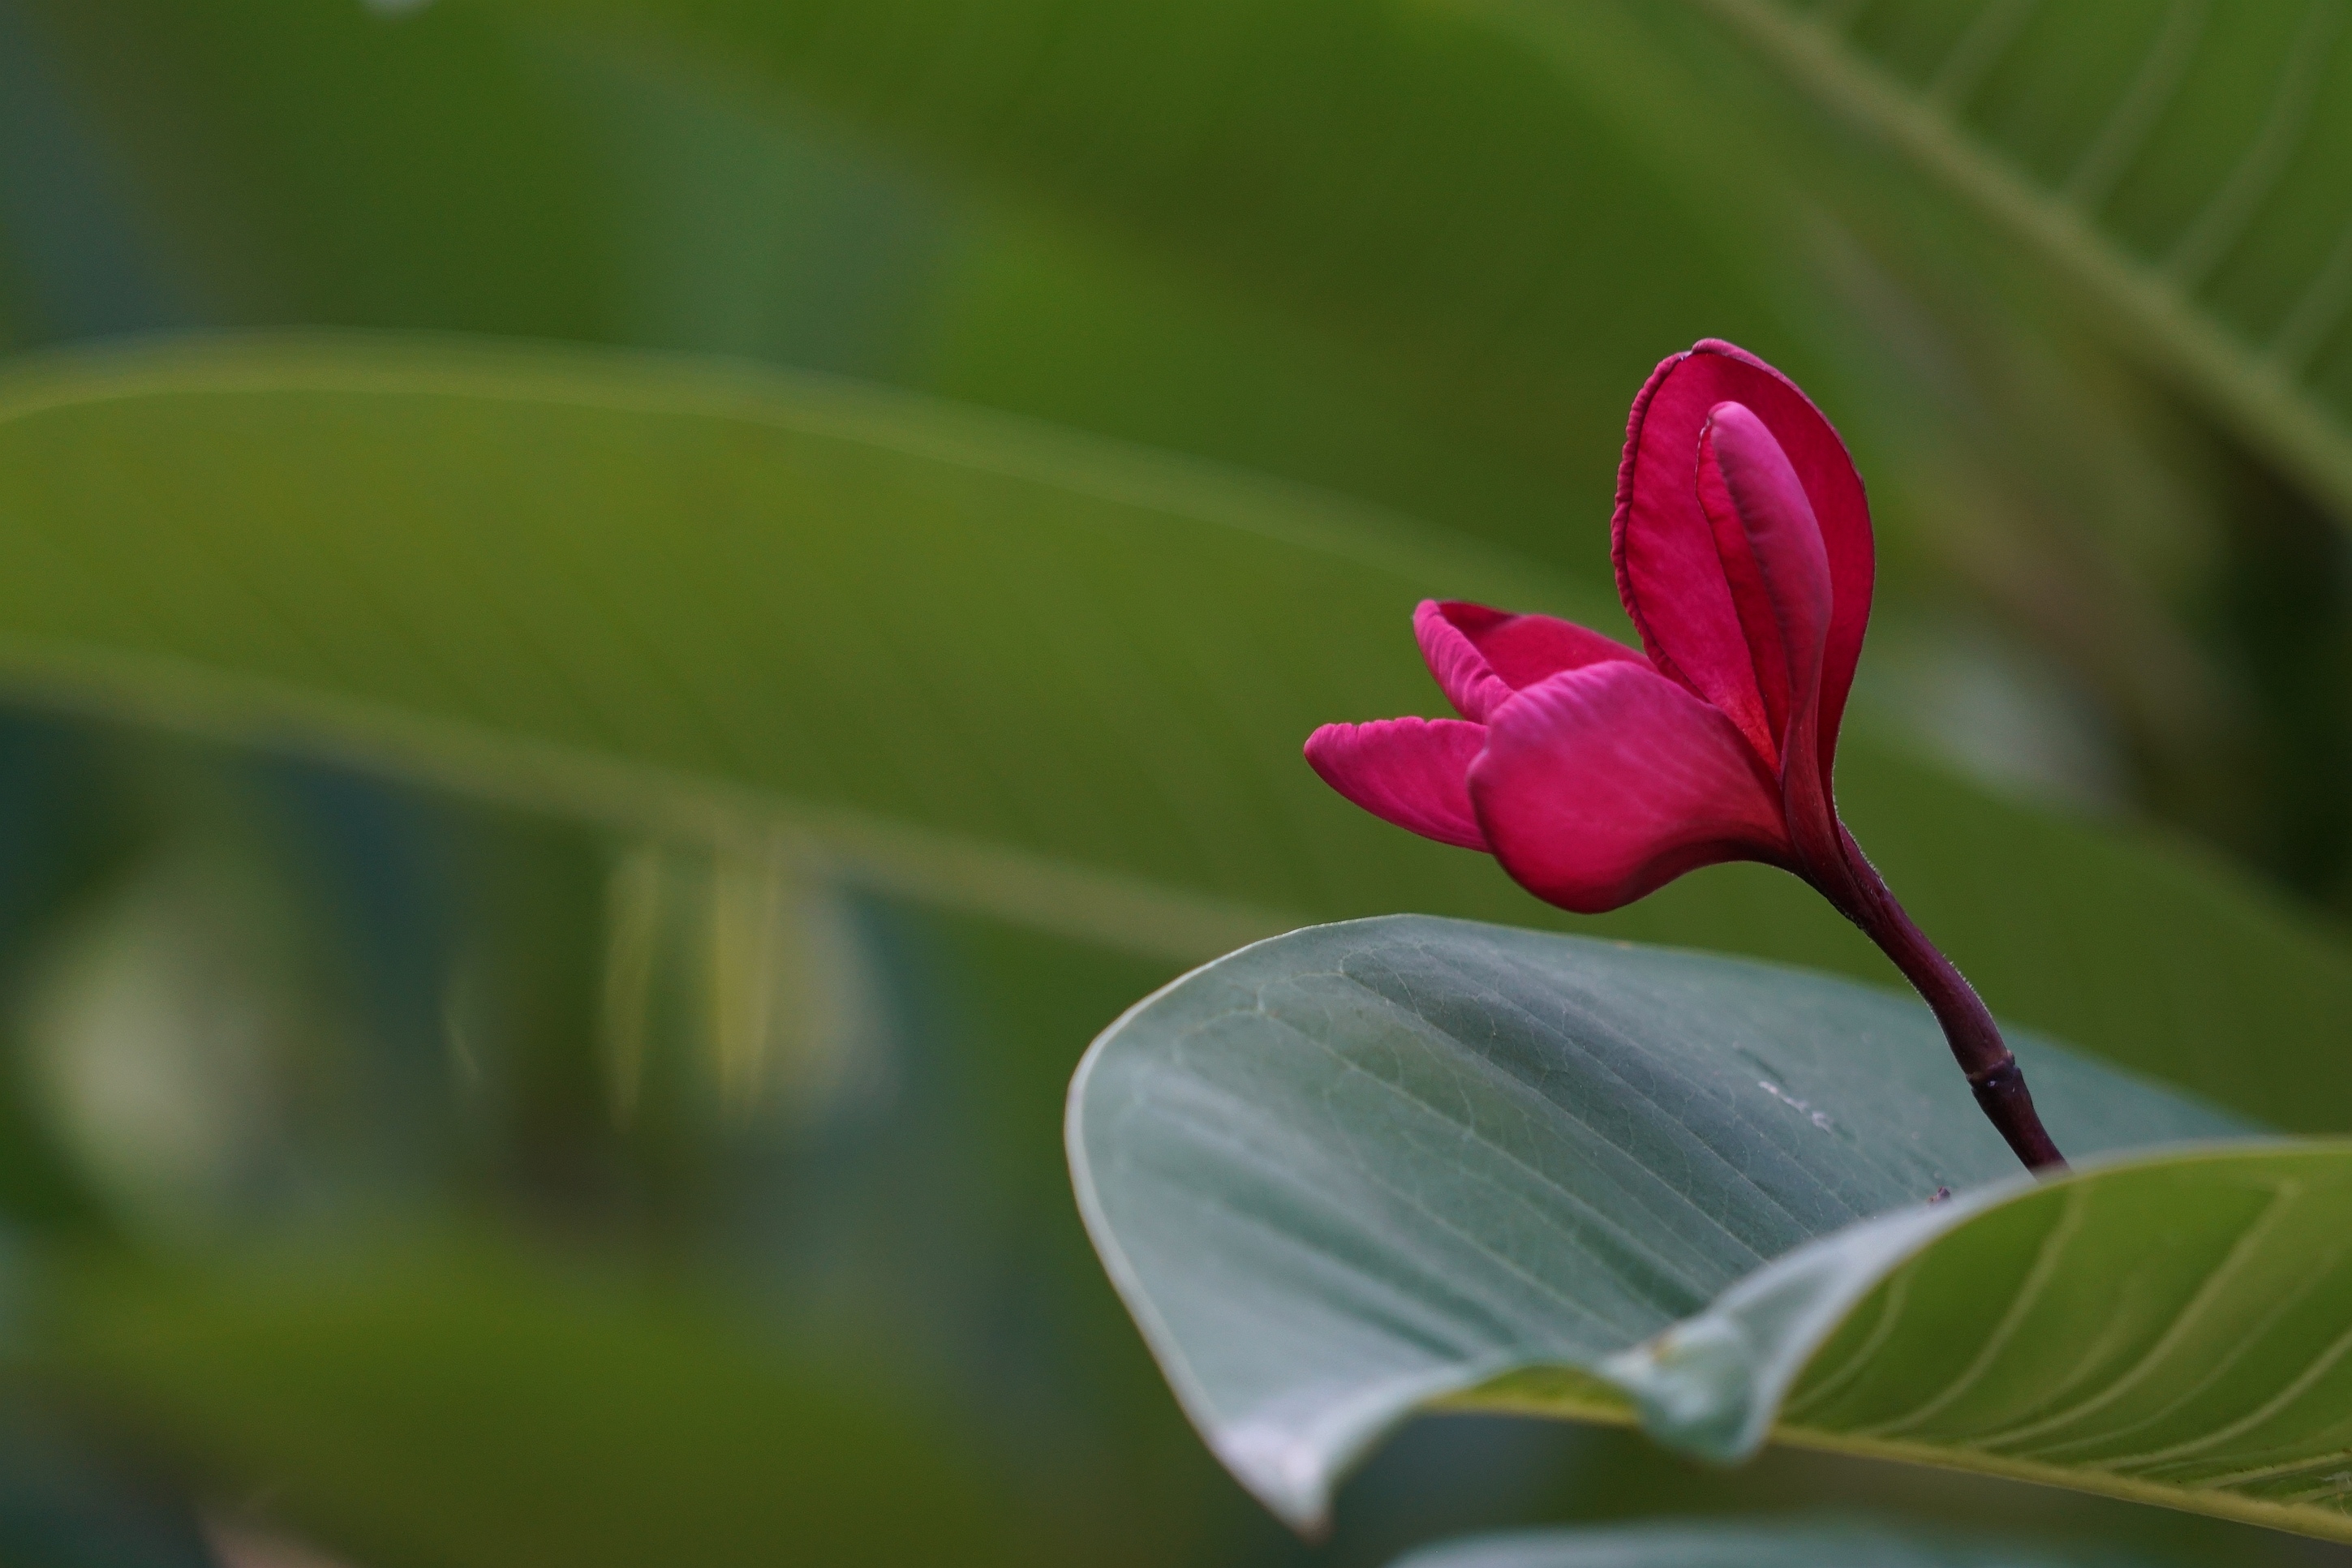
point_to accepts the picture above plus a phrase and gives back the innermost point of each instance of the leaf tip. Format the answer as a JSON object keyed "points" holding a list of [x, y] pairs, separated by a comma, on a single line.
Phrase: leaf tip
{"points": [[1291, 1478]]}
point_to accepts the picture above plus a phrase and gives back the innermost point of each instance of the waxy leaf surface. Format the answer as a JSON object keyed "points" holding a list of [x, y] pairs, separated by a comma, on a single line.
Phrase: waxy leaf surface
{"points": [[1361, 1168]]}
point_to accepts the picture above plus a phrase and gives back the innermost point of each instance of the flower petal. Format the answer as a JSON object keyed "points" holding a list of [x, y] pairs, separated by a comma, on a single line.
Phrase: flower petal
{"points": [[1773, 559], [1606, 783], [1481, 657], [1668, 571], [1413, 772]]}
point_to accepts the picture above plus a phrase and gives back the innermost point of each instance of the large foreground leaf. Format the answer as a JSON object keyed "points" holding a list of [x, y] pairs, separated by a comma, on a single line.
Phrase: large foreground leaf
{"points": [[1373, 1167], [1751, 1544], [1357, 1169], [959, 657]]}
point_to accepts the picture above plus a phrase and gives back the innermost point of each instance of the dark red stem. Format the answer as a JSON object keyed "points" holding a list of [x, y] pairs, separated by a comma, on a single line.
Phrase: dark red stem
{"points": [[1992, 1073]]}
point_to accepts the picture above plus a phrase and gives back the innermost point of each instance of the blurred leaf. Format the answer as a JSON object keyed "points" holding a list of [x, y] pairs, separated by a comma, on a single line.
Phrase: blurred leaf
{"points": [[1502, 210], [1413, 181], [438, 1404], [65, 1503], [1752, 1543], [733, 231], [282, 160], [1361, 1168], [77, 254], [2178, 168], [1051, 318], [1286, 305], [722, 223], [958, 657], [2167, 1330], [1421, 252]]}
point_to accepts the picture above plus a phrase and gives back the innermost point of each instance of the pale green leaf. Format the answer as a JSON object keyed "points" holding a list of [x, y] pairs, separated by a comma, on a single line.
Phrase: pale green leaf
{"points": [[1360, 1169], [959, 657]]}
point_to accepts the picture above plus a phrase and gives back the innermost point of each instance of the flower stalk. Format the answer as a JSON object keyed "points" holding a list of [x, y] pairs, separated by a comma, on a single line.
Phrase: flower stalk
{"points": [[1985, 1059]]}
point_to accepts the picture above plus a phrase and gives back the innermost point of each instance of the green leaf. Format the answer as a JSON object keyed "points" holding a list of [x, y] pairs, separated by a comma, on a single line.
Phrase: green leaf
{"points": [[953, 656], [1269, 289], [1444, 191], [283, 165], [1004, 669], [2168, 1331], [426, 1401], [1753, 1544], [2178, 168], [1423, 251], [1363, 170], [1359, 1169], [682, 217]]}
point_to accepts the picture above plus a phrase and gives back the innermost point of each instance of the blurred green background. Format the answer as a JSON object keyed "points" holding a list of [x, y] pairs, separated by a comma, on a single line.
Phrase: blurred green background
{"points": [[862, 502]]}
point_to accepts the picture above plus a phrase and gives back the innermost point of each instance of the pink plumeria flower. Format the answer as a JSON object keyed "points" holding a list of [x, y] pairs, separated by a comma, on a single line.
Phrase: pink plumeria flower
{"points": [[1595, 774]]}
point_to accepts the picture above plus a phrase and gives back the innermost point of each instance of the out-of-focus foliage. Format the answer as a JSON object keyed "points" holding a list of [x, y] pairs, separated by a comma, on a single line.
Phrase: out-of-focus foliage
{"points": [[1811, 1544], [1028, 227], [663, 1069], [256, 164], [2057, 497], [2177, 167], [581, 1419], [1025, 676]]}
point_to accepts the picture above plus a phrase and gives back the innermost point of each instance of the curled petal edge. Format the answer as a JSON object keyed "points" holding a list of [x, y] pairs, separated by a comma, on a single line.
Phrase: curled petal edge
{"points": [[1410, 772], [1483, 657]]}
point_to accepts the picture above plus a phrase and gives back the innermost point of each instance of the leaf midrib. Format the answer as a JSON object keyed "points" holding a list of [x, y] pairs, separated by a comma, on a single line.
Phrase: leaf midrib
{"points": [[809, 402]]}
